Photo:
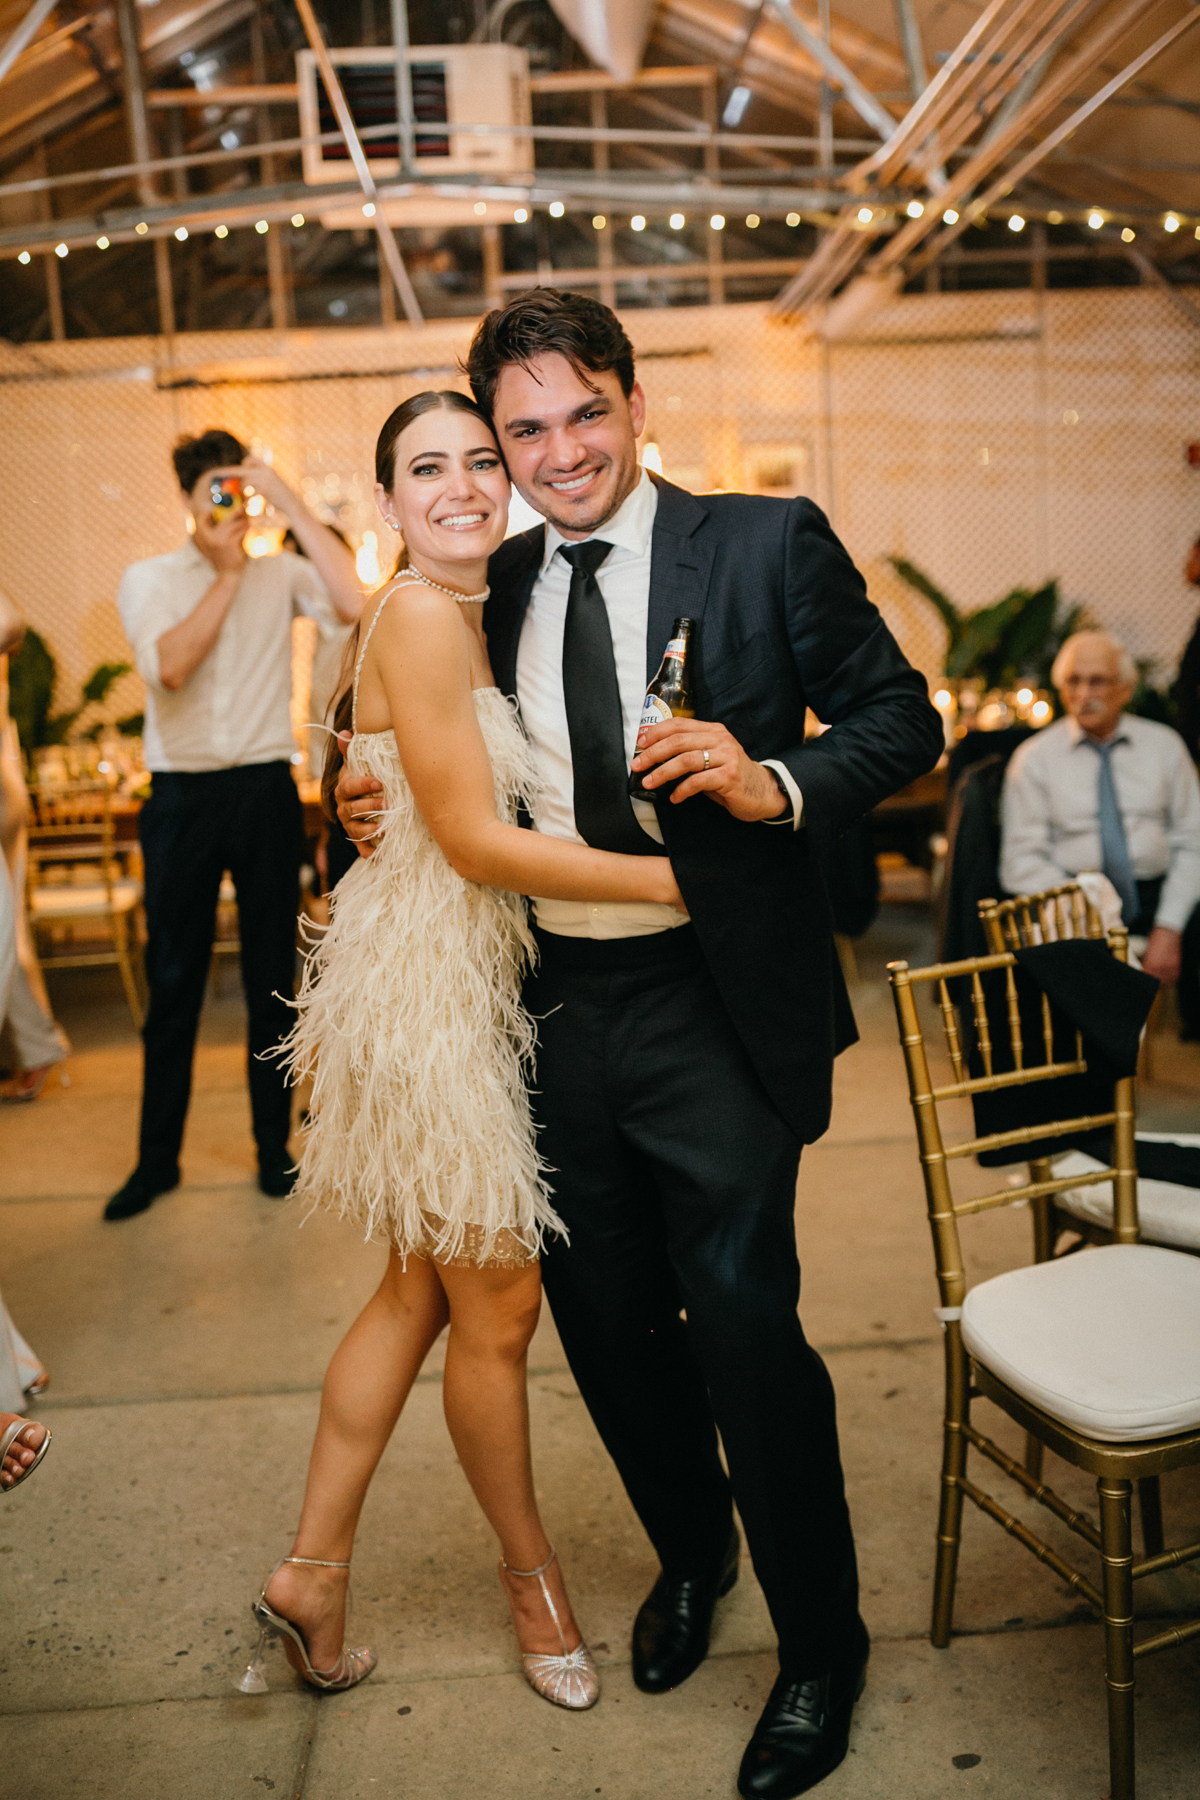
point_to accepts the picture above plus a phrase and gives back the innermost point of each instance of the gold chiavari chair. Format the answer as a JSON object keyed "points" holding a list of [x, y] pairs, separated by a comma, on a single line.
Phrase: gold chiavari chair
{"points": [[83, 898], [1096, 1355]]}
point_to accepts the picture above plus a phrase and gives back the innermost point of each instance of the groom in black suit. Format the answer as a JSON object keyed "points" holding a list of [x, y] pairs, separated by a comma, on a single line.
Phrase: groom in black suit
{"points": [[683, 1063]]}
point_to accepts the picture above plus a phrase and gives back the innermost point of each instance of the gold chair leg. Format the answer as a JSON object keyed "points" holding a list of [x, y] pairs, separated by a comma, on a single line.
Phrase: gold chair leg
{"points": [[1116, 1539], [1150, 1507], [125, 964], [954, 1461], [1032, 1459]]}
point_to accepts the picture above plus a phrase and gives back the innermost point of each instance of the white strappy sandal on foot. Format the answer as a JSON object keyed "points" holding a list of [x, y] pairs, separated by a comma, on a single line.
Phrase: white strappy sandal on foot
{"points": [[351, 1667], [569, 1680]]}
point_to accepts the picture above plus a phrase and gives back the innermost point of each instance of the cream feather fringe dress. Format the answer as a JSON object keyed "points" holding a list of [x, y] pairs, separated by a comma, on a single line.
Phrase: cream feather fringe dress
{"points": [[411, 1026]]}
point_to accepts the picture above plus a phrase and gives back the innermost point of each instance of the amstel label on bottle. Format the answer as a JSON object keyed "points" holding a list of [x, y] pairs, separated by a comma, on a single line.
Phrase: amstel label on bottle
{"points": [[654, 712]]}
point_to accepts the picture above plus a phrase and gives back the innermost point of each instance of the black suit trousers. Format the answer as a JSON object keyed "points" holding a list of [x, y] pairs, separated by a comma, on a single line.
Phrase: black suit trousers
{"points": [[676, 1178], [193, 827]]}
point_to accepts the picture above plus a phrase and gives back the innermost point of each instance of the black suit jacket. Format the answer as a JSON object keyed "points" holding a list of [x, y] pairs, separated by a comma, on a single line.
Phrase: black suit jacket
{"points": [[782, 623]]}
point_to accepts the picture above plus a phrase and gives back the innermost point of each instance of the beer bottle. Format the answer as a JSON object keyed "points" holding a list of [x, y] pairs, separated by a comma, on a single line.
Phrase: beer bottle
{"points": [[669, 695]]}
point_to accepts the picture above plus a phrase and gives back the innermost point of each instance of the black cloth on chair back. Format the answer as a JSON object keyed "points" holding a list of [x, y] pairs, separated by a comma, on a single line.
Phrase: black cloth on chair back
{"points": [[1089, 991]]}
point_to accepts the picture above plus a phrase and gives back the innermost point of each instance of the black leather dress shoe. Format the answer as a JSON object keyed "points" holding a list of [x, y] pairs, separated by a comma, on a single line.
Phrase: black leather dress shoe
{"points": [[671, 1632], [140, 1191], [277, 1177], [804, 1732]]}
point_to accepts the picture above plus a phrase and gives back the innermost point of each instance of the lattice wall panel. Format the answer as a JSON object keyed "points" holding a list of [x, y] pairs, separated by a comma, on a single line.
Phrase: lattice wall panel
{"points": [[992, 439]]}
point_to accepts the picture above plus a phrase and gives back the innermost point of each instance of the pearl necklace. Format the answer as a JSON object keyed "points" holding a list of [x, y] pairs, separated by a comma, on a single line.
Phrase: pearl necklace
{"points": [[463, 599]]}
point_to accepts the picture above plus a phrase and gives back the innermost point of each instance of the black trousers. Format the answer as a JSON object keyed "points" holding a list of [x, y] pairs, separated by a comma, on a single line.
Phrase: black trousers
{"points": [[676, 1178], [193, 827]]}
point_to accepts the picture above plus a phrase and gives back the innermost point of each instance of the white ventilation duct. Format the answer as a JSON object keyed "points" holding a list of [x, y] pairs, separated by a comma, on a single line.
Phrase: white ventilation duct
{"points": [[613, 32]]}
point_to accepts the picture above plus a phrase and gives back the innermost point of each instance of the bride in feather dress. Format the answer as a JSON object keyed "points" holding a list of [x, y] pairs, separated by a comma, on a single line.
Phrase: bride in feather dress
{"points": [[410, 1026]]}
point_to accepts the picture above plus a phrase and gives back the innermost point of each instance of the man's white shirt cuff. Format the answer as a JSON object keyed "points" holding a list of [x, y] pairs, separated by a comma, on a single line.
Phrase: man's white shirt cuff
{"points": [[791, 790]]}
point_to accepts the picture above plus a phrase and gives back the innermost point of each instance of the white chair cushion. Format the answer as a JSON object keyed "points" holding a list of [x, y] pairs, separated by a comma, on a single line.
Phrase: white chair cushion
{"points": [[1169, 1214], [91, 902], [1106, 1340]]}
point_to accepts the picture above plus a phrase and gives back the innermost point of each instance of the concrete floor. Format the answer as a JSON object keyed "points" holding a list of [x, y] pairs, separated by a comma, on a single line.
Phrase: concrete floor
{"points": [[187, 1348]]}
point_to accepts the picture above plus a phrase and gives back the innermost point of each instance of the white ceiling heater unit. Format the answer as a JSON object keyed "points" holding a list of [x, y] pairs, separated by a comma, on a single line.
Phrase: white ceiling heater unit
{"points": [[452, 84]]}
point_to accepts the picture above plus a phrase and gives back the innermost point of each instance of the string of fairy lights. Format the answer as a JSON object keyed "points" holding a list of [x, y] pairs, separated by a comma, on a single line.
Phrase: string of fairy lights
{"points": [[877, 219]]}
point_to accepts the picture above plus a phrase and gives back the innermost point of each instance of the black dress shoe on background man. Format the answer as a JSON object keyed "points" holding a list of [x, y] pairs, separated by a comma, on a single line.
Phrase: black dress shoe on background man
{"points": [[276, 1176], [671, 1632], [140, 1191], [804, 1732]]}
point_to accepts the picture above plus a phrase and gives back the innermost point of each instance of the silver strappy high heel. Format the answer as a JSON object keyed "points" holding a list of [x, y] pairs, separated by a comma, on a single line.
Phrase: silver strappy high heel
{"points": [[11, 1436], [569, 1680], [351, 1667]]}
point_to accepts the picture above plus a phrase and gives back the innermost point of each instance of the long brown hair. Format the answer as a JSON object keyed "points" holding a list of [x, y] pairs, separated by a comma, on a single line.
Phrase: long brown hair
{"points": [[431, 400]]}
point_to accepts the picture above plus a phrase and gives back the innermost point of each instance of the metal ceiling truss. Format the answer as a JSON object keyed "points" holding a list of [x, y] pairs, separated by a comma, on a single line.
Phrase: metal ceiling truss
{"points": [[1007, 75]]}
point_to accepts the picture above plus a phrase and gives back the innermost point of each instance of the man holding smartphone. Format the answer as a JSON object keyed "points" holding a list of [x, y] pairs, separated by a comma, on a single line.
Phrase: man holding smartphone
{"points": [[210, 630]]}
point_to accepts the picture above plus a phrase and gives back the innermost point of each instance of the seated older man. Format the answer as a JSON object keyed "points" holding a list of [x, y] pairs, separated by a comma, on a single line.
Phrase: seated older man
{"points": [[1104, 790]]}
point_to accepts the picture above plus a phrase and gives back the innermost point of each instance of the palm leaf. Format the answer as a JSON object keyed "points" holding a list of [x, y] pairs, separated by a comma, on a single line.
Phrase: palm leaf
{"points": [[951, 614]]}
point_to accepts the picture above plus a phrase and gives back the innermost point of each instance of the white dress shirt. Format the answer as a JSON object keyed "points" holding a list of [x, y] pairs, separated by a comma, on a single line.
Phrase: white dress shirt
{"points": [[235, 708], [1051, 811], [624, 581]]}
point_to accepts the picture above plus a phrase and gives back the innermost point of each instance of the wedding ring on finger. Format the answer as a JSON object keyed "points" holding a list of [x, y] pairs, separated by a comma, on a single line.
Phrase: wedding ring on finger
{"points": [[707, 763]]}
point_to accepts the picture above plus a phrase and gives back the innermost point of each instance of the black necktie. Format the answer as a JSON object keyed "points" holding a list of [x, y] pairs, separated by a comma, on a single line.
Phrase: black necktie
{"points": [[604, 816]]}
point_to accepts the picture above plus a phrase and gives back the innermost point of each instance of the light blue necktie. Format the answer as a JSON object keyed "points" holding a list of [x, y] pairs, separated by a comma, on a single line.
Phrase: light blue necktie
{"points": [[1114, 850]]}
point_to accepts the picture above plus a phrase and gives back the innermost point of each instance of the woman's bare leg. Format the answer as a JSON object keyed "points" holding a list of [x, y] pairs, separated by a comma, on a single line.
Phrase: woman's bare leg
{"points": [[365, 1387], [493, 1313]]}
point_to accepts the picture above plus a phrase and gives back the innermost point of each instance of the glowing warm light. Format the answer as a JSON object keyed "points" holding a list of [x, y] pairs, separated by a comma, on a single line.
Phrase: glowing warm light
{"points": [[1016, 223], [368, 213], [520, 216], [1070, 417], [652, 457], [949, 217], [141, 228], [61, 250], [1054, 218], [259, 544], [1024, 696], [366, 559], [637, 223], [181, 232], [793, 218], [297, 220], [104, 768], [599, 222], [1127, 236], [1170, 223], [1040, 709], [914, 209], [221, 231], [24, 256], [261, 226], [677, 221], [865, 215], [557, 209], [480, 208], [753, 220], [1095, 220], [255, 505], [943, 698], [717, 222], [102, 243]]}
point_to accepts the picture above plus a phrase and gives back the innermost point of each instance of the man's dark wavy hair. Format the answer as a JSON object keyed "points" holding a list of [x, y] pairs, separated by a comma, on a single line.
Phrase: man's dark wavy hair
{"points": [[546, 321], [193, 456]]}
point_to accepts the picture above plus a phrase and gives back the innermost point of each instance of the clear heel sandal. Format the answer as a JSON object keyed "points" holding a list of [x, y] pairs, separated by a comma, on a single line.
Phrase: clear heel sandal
{"points": [[569, 1680], [351, 1667]]}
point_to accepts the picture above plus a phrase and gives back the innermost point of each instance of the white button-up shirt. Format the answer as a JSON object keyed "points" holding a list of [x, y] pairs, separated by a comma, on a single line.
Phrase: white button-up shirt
{"points": [[624, 581], [235, 708], [1051, 811]]}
